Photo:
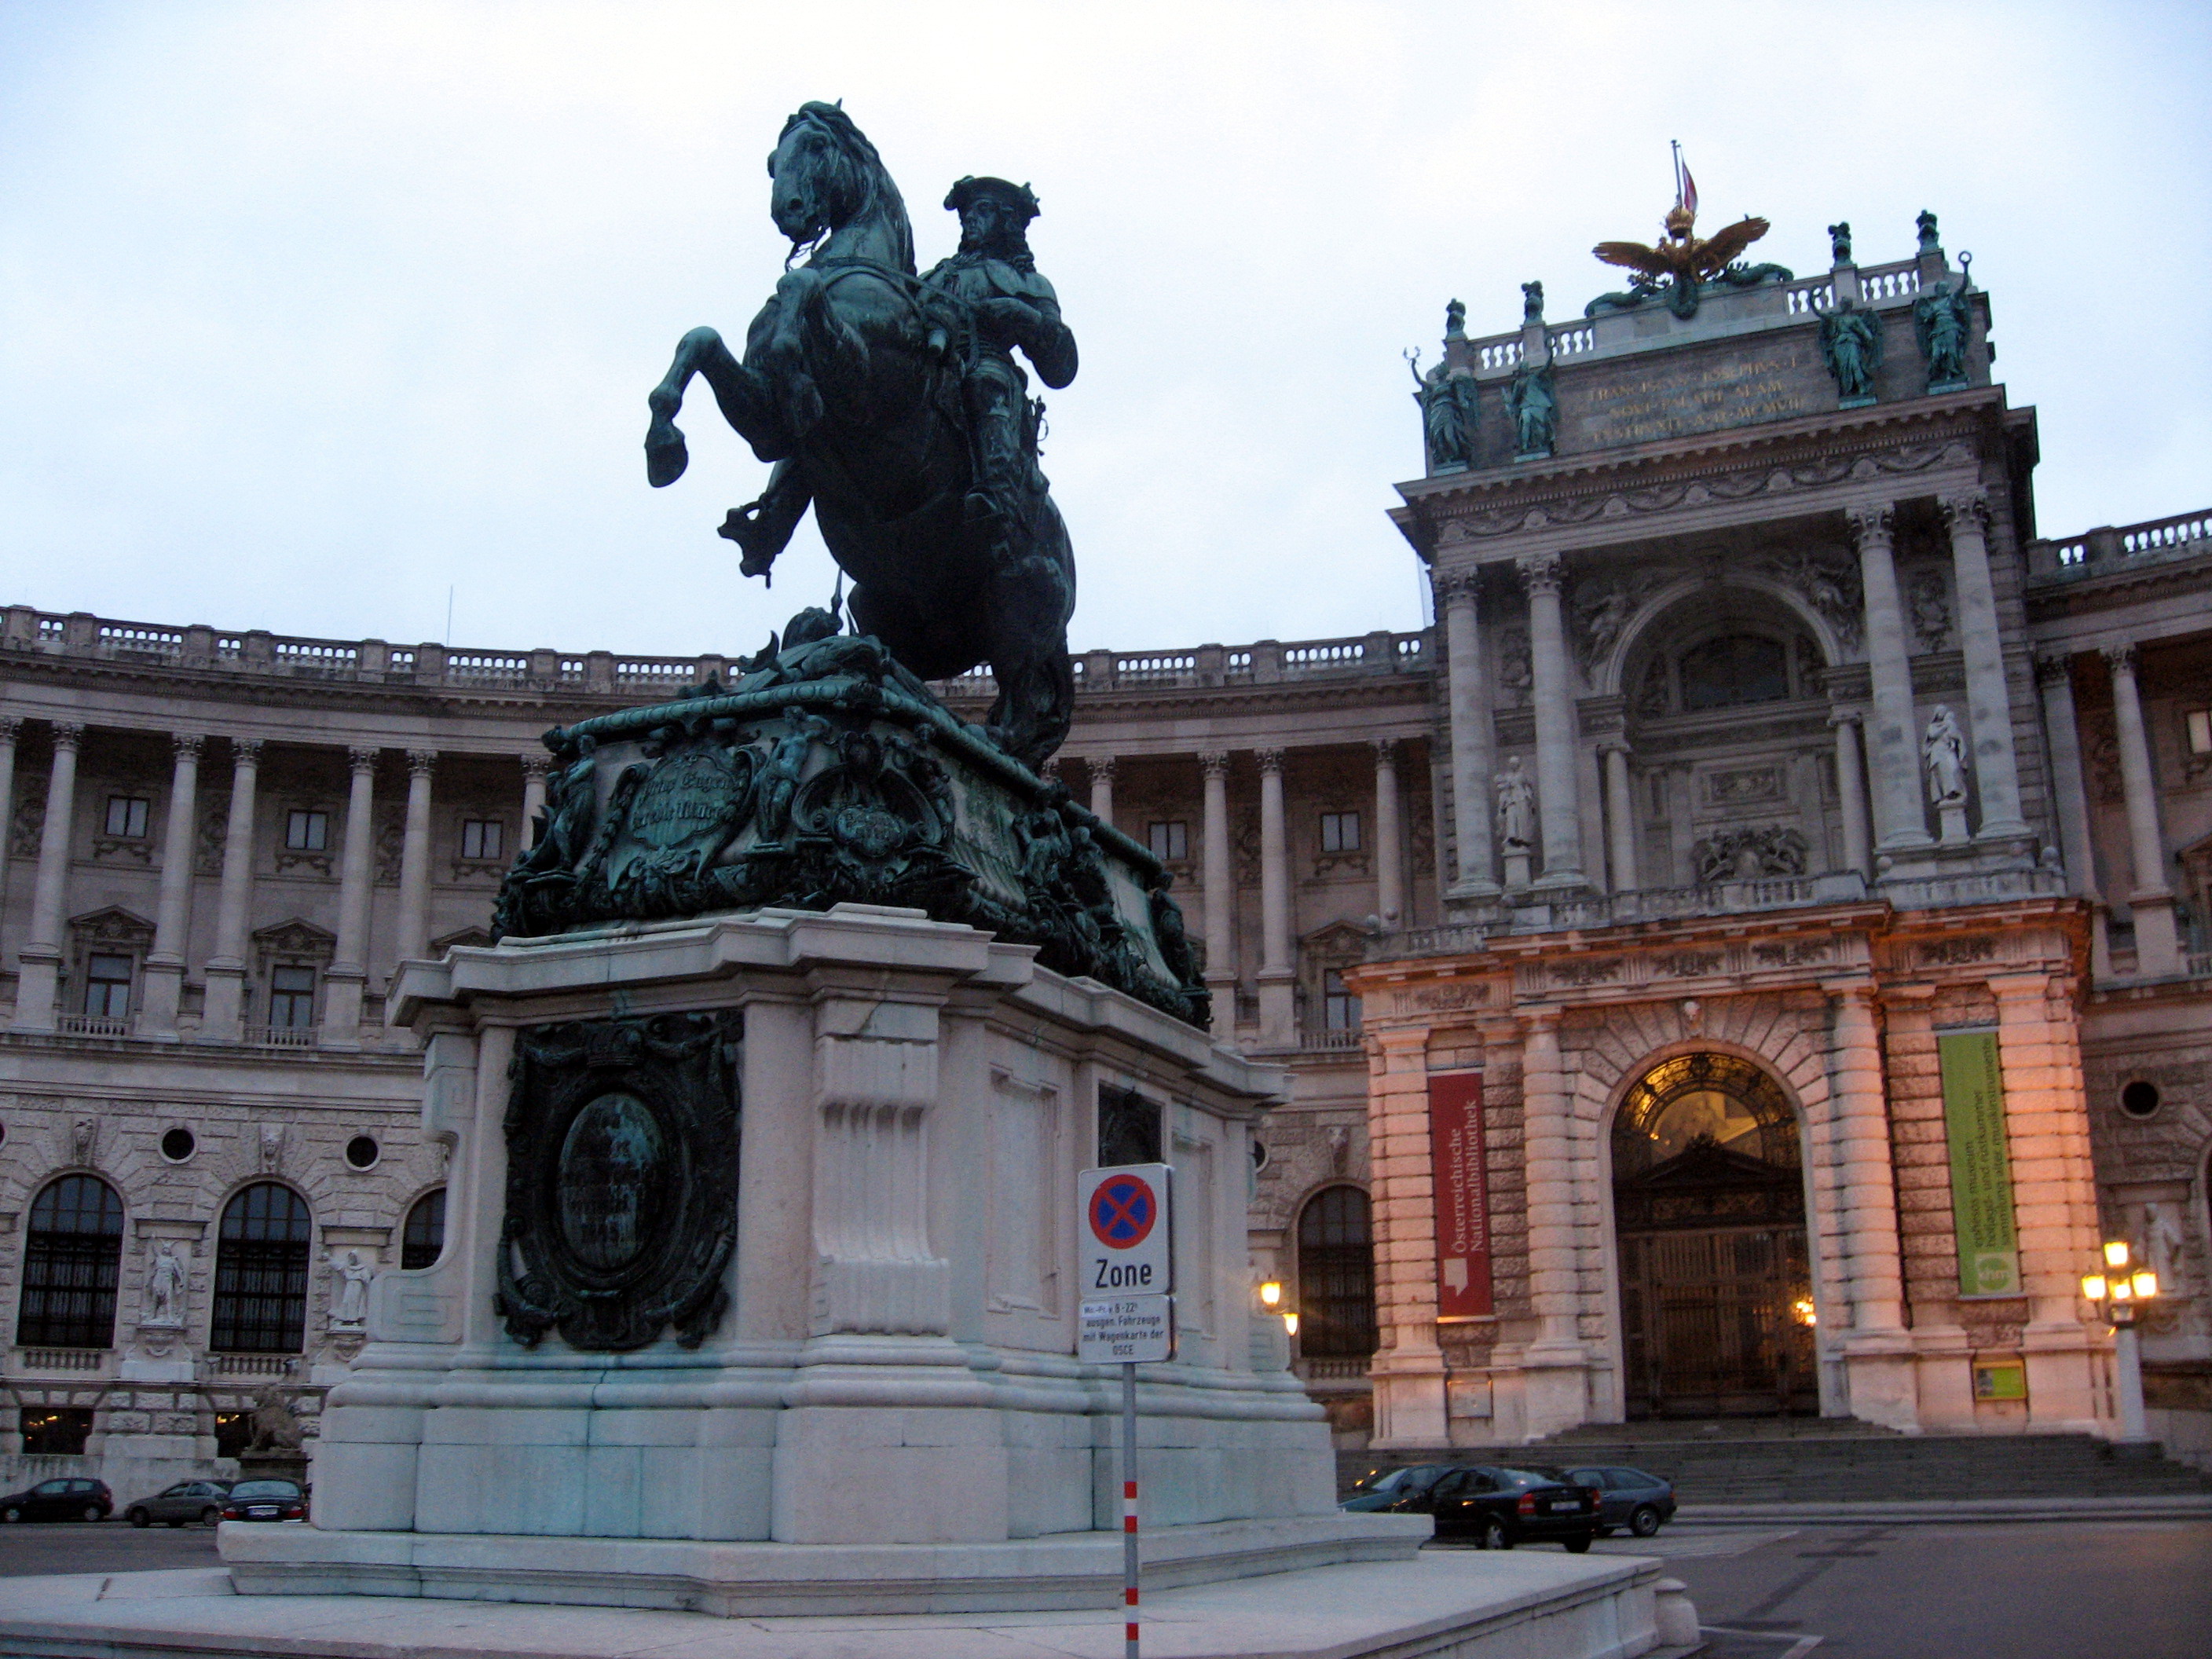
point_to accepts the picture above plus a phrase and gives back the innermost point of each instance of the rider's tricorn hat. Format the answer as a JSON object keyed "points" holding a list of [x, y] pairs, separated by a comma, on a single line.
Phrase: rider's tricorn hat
{"points": [[1017, 200]]}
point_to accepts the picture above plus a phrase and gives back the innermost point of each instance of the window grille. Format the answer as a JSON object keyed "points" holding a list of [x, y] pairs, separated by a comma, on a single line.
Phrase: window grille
{"points": [[261, 1272], [1336, 1274], [72, 1260], [423, 1239]]}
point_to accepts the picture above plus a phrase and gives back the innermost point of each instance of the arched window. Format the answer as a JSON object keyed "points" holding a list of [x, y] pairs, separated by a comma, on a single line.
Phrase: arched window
{"points": [[1336, 1275], [71, 1262], [261, 1272], [1732, 669], [423, 1239]]}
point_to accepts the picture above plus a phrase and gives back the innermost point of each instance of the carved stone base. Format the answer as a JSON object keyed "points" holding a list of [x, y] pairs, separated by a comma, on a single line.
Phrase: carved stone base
{"points": [[761, 1233]]}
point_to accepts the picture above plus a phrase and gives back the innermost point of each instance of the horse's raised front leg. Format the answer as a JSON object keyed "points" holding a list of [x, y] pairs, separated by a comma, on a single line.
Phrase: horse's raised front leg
{"points": [[741, 394]]}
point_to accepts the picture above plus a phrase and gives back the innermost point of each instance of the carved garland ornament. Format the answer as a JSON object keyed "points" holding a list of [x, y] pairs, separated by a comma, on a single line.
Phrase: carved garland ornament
{"points": [[621, 1187]]}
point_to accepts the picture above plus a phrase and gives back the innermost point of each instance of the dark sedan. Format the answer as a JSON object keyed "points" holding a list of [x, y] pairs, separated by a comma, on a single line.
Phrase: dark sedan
{"points": [[1498, 1507], [265, 1500], [59, 1500], [188, 1500], [1397, 1491], [1628, 1497]]}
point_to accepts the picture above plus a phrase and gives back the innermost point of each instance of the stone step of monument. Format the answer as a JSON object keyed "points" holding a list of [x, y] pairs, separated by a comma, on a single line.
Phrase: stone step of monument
{"points": [[1840, 1467]]}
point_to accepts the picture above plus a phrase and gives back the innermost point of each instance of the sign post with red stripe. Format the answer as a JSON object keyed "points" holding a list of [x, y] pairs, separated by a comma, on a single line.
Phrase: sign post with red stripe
{"points": [[1125, 1242]]}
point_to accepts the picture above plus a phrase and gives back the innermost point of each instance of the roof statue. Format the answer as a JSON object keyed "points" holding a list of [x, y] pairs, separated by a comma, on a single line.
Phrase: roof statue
{"points": [[1680, 266]]}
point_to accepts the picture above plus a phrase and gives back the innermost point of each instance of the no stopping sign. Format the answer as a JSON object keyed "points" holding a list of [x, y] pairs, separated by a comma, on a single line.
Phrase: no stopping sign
{"points": [[1124, 1233]]}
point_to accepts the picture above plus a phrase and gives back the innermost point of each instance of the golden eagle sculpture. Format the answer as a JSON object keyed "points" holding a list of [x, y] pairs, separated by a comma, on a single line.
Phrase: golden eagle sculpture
{"points": [[1682, 263]]}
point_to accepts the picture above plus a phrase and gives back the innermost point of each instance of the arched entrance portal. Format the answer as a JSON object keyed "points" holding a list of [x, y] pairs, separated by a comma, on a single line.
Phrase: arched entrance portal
{"points": [[1709, 1203]]}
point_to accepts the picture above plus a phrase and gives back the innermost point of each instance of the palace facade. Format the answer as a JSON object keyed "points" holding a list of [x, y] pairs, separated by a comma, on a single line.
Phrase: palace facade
{"points": [[1685, 1015]]}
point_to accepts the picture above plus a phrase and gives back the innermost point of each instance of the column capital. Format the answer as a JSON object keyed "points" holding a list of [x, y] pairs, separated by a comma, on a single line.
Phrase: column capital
{"points": [[246, 751], [2053, 667], [187, 745], [1453, 586], [1102, 769], [1541, 572], [1861, 991], [1964, 509], [1214, 762], [420, 762], [1050, 770], [2121, 659], [362, 757], [1838, 718], [68, 734], [537, 766], [1869, 526], [1540, 1021], [1270, 762], [1386, 752], [1615, 745], [11, 727]]}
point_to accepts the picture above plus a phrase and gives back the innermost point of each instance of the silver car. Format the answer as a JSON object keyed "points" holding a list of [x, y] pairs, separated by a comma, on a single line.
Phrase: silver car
{"points": [[188, 1500]]}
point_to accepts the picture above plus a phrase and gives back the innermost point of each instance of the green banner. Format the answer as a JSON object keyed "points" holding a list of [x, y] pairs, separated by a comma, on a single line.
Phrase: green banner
{"points": [[1981, 1174]]}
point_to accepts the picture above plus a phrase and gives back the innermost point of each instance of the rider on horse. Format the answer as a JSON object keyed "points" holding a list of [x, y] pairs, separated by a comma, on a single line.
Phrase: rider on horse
{"points": [[996, 276]]}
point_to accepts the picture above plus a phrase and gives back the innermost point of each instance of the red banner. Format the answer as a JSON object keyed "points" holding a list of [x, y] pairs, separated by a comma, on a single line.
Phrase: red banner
{"points": [[1462, 1195]]}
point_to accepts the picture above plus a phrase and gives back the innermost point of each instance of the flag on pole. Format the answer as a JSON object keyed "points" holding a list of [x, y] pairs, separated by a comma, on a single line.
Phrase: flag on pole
{"points": [[1689, 190]]}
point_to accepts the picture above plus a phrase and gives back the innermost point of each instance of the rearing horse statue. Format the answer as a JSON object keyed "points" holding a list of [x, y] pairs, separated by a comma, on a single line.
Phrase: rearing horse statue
{"points": [[858, 382]]}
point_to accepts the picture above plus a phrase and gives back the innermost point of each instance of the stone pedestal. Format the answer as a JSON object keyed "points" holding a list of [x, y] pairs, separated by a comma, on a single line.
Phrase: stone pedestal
{"points": [[761, 1232]]}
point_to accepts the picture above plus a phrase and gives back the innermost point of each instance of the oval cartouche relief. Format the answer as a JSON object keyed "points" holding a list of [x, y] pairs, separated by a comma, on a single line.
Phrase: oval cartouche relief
{"points": [[611, 1161]]}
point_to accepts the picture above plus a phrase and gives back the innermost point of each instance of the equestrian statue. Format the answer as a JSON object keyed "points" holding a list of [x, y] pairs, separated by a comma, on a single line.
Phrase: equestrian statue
{"points": [[890, 402]]}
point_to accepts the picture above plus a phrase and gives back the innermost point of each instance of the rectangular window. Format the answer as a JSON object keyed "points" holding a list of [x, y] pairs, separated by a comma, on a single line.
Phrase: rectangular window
{"points": [[1339, 832], [108, 986], [2200, 731], [1170, 840], [126, 817], [1339, 1009], [482, 838], [306, 831], [291, 998]]}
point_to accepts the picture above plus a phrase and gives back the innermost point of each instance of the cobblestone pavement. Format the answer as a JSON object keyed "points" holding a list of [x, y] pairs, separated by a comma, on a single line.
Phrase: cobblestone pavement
{"points": [[106, 1546]]}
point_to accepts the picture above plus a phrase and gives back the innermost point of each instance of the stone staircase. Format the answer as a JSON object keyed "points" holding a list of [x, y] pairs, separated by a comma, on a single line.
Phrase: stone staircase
{"points": [[1801, 1461]]}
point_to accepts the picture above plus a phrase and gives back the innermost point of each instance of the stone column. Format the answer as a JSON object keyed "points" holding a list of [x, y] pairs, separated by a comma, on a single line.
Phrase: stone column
{"points": [[161, 986], [1877, 1351], [1102, 786], [2158, 950], [1989, 699], [1558, 806], [11, 728], [224, 1018], [349, 972], [2054, 676], [1389, 848], [1894, 755], [1850, 794], [1407, 1372], [534, 768], [1553, 1364], [1278, 968], [1219, 877], [1468, 691], [38, 986], [415, 858], [2054, 1192], [1620, 818]]}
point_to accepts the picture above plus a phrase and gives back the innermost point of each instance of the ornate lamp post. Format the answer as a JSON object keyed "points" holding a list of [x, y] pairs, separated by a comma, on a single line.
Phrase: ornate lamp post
{"points": [[2116, 1292], [1271, 1298]]}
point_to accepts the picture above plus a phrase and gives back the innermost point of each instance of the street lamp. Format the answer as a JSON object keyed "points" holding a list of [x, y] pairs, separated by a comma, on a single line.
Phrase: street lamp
{"points": [[2116, 1292], [1271, 1298]]}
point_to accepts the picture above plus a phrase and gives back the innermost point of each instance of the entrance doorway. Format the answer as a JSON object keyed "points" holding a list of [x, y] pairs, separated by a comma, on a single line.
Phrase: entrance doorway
{"points": [[1709, 1206]]}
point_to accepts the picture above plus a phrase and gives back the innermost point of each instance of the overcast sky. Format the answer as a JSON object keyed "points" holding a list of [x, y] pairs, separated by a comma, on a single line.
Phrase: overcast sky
{"points": [[310, 313]]}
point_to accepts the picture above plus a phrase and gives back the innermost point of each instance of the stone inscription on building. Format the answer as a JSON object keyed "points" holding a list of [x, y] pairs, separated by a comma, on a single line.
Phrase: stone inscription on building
{"points": [[1779, 381]]}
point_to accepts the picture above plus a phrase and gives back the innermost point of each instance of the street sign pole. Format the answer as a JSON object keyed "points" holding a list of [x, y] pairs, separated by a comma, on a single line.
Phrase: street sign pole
{"points": [[1125, 1244], [1129, 1508]]}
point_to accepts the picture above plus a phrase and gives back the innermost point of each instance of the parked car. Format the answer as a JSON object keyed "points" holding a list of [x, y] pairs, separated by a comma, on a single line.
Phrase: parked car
{"points": [[75, 1500], [265, 1500], [1498, 1507], [1628, 1497], [1397, 1491], [188, 1500]]}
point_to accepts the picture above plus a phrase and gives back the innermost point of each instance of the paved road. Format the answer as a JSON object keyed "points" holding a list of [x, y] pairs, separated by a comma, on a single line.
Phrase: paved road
{"points": [[2141, 1590], [107, 1546]]}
